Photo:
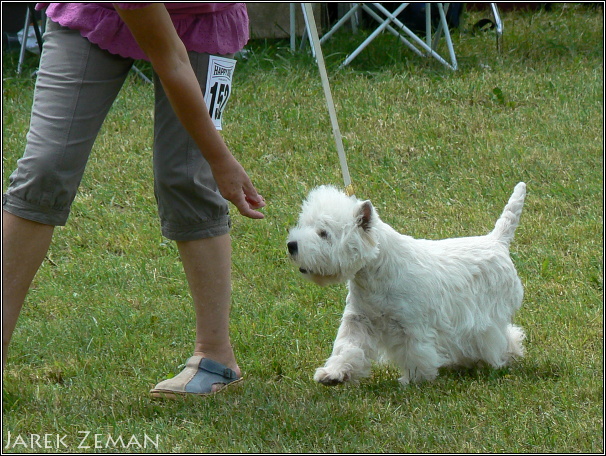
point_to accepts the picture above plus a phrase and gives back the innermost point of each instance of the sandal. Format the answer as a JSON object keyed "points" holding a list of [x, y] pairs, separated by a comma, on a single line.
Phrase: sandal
{"points": [[198, 378]]}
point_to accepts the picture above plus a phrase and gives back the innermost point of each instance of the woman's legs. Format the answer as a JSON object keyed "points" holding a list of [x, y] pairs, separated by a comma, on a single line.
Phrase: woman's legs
{"points": [[195, 215], [207, 265], [24, 246], [76, 85]]}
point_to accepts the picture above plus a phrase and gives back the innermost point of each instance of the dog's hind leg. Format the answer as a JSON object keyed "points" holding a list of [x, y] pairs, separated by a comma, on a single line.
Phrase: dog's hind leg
{"points": [[498, 346], [515, 336], [418, 361], [353, 350]]}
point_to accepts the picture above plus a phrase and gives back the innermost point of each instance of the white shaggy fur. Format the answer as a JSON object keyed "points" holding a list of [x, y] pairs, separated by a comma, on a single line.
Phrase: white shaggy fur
{"points": [[418, 303]]}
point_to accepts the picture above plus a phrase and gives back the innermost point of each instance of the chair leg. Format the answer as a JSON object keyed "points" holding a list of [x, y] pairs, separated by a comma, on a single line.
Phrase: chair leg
{"points": [[499, 25], [24, 40], [32, 10]]}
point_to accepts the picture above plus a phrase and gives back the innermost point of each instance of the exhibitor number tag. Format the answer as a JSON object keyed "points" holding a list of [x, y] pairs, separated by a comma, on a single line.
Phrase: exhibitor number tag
{"points": [[218, 87]]}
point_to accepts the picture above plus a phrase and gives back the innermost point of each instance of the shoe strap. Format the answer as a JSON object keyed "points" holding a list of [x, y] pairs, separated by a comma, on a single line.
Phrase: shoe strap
{"points": [[217, 368]]}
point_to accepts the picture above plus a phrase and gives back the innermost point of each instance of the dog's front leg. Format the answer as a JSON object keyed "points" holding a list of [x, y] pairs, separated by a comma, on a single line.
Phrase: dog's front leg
{"points": [[353, 350]]}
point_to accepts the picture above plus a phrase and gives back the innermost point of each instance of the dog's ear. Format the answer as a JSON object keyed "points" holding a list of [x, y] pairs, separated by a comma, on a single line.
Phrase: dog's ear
{"points": [[364, 217]]}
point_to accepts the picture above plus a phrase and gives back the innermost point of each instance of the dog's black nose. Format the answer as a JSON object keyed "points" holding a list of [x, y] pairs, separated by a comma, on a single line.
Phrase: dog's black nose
{"points": [[292, 247]]}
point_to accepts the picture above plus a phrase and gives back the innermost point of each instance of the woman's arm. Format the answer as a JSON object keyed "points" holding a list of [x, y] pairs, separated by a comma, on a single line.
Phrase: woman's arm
{"points": [[155, 33]]}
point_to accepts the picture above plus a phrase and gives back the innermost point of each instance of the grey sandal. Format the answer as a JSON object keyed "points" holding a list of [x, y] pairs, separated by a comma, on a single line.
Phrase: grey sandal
{"points": [[198, 378]]}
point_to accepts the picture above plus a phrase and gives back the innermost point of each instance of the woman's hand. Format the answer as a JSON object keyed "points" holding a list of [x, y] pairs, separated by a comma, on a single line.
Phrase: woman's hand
{"points": [[235, 186], [155, 33]]}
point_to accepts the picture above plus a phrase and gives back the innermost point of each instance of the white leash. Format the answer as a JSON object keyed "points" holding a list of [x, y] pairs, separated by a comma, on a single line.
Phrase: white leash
{"points": [[315, 42]]}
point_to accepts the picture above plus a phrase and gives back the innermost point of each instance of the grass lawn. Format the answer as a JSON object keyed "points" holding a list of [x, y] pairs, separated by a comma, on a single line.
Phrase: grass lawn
{"points": [[437, 152]]}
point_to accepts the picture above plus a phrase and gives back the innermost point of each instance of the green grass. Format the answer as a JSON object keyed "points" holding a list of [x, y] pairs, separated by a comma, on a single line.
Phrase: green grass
{"points": [[438, 152]]}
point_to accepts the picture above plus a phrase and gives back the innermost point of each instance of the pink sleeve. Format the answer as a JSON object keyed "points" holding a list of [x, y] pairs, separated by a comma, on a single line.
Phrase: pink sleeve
{"points": [[131, 6], [126, 6]]}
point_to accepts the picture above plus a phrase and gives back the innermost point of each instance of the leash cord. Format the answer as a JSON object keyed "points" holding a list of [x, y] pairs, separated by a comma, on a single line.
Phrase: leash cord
{"points": [[315, 41]]}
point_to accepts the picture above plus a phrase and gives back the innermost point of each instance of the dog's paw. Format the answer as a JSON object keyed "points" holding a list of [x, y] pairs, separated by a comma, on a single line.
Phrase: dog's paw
{"points": [[404, 381], [330, 377]]}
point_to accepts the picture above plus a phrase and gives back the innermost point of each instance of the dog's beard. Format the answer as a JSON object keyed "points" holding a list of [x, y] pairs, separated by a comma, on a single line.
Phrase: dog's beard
{"points": [[324, 273], [318, 274], [322, 280]]}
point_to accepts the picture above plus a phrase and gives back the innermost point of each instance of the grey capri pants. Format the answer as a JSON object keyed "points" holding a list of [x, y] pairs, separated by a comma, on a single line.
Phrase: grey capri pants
{"points": [[76, 85]]}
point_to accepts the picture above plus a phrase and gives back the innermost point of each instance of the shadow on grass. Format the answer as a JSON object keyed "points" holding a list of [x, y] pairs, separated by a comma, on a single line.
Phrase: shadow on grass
{"points": [[530, 371]]}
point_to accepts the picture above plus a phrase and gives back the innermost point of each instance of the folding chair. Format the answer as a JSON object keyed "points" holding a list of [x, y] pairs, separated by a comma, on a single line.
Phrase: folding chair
{"points": [[389, 21]]}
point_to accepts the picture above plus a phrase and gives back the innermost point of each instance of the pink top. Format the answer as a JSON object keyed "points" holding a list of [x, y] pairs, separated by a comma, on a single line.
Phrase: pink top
{"points": [[213, 28]]}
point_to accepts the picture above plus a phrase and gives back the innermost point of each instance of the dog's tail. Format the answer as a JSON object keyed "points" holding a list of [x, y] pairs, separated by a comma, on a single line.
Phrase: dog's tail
{"points": [[510, 218]]}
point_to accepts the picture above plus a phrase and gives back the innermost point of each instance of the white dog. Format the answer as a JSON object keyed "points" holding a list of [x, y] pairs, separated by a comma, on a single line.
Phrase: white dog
{"points": [[420, 304]]}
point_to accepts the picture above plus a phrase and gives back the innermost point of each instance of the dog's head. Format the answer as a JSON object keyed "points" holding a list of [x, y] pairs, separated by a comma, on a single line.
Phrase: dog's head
{"points": [[334, 237]]}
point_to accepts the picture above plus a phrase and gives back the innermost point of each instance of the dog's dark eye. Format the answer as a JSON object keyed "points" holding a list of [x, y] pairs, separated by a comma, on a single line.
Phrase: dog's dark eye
{"points": [[323, 234]]}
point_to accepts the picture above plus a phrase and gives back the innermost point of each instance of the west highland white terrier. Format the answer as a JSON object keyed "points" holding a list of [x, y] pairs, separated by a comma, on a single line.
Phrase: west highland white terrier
{"points": [[420, 304]]}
